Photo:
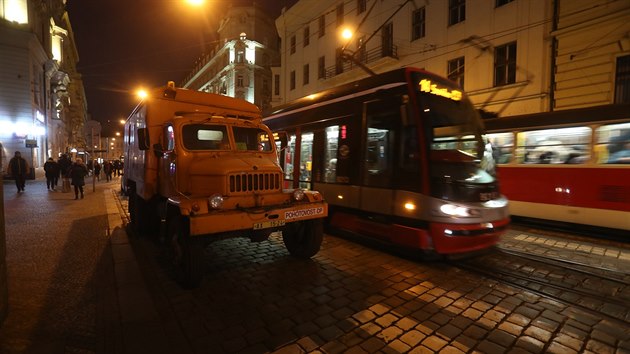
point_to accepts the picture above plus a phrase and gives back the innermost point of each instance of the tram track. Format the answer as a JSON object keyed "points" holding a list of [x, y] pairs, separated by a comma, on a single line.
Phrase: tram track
{"points": [[603, 295], [599, 271]]}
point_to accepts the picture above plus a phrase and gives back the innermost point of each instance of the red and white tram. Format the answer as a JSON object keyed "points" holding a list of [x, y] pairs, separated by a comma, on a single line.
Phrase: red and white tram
{"points": [[399, 157], [570, 166]]}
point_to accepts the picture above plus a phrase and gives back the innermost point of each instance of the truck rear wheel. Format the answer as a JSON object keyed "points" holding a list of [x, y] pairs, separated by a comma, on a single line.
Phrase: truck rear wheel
{"points": [[187, 252], [303, 239]]}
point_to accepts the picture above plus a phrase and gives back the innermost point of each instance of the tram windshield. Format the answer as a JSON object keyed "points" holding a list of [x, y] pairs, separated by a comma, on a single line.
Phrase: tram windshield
{"points": [[461, 161]]}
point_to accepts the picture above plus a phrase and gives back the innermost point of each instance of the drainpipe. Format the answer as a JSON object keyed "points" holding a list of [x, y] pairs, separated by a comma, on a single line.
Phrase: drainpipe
{"points": [[554, 53]]}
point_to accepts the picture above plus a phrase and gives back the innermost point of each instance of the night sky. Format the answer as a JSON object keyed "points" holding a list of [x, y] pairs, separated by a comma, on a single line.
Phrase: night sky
{"points": [[124, 45]]}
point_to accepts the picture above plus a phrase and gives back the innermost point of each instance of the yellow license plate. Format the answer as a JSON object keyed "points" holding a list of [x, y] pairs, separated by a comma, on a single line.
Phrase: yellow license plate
{"points": [[268, 224]]}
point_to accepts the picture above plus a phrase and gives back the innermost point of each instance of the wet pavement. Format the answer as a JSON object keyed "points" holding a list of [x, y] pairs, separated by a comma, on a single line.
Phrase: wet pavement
{"points": [[79, 284]]}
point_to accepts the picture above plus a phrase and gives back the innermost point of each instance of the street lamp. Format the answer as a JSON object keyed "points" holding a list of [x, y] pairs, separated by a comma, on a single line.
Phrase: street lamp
{"points": [[142, 94]]}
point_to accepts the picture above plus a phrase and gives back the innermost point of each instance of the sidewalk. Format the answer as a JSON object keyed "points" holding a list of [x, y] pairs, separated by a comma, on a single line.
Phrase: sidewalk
{"points": [[75, 285]]}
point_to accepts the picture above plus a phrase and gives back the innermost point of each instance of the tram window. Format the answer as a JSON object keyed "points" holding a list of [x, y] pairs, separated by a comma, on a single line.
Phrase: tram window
{"points": [[554, 146], [502, 144], [251, 139], [613, 143], [330, 154], [289, 158], [306, 160]]}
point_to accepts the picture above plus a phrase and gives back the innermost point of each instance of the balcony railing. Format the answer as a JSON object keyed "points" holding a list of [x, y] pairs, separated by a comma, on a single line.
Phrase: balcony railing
{"points": [[366, 57]]}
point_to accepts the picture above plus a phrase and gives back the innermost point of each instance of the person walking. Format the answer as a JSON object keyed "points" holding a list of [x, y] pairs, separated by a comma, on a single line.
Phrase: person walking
{"points": [[78, 171], [18, 167], [97, 170], [107, 168], [52, 171], [64, 166]]}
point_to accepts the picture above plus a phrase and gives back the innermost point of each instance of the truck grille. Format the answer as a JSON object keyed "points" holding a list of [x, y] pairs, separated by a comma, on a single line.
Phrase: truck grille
{"points": [[253, 182]]}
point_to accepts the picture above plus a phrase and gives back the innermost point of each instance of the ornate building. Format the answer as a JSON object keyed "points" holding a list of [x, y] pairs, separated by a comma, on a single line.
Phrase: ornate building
{"points": [[43, 107], [240, 64]]}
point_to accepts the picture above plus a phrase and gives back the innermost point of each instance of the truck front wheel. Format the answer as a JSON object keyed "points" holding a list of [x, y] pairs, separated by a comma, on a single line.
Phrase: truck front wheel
{"points": [[303, 239], [187, 251]]}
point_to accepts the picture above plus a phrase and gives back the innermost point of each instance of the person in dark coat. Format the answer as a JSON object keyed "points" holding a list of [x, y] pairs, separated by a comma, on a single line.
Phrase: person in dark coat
{"points": [[108, 168], [52, 171], [18, 168], [77, 173], [64, 167]]}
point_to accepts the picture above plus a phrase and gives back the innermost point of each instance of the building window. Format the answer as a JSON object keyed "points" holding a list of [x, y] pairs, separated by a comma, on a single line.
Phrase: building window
{"points": [[292, 83], [321, 67], [276, 84], [305, 75], [456, 71], [307, 36], [456, 11], [361, 52], [339, 61], [239, 81], [505, 64], [339, 14], [387, 40], [502, 2], [622, 80], [14, 10], [292, 44], [418, 21], [361, 6], [322, 25], [240, 56]]}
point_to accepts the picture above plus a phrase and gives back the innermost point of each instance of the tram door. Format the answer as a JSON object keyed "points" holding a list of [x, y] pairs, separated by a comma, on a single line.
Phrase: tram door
{"points": [[382, 119]]}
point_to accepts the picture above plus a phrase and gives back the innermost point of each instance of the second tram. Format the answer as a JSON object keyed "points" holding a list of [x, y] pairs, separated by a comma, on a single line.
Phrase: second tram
{"points": [[399, 157], [566, 167]]}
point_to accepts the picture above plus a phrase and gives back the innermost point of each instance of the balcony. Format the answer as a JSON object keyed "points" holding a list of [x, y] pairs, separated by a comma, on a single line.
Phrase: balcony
{"points": [[366, 57]]}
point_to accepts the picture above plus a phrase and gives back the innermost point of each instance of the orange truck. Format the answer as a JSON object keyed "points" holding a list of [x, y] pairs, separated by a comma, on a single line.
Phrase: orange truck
{"points": [[200, 167]]}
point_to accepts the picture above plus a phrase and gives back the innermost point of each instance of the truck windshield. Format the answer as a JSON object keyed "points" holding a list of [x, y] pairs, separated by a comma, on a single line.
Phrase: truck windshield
{"points": [[205, 137], [251, 139]]}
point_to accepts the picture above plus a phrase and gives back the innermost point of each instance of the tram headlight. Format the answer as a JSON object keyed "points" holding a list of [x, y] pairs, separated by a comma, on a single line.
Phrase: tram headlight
{"points": [[298, 195], [458, 210], [215, 201]]}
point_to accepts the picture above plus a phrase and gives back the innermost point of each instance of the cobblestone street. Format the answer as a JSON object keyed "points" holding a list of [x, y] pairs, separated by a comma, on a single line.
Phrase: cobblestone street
{"points": [[78, 284]]}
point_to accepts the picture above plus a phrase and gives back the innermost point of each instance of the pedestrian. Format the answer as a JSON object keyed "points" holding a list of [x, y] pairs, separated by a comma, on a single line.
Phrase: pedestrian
{"points": [[64, 167], [115, 167], [78, 171], [107, 168], [97, 170], [57, 175], [18, 168], [52, 171]]}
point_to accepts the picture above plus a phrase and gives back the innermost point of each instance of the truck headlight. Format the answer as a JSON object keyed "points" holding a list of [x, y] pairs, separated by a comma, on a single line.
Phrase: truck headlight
{"points": [[298, 195], [215, 201]]}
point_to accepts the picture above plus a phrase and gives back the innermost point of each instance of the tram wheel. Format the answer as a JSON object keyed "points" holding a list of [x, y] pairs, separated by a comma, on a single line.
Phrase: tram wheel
{"points": [[303, 239], [187, 252]]}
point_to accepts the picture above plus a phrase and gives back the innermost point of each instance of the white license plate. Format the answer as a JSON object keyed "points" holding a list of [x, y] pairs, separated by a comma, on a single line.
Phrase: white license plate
{"points": [[268, 224]]}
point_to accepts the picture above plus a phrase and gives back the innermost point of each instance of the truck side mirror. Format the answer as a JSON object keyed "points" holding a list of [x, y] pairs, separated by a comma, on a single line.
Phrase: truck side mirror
{"points": [[143, 139]]}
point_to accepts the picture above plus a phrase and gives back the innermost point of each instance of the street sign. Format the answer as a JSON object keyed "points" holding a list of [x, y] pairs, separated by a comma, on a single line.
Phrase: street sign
{"points": [[31, 143]]}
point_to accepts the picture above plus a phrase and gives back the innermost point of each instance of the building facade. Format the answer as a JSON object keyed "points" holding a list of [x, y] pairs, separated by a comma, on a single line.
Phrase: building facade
{"points": [[240, 64], [43, 107], [592, 64], [511, 56]]}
